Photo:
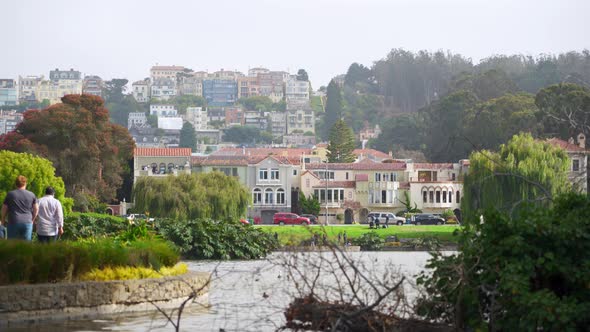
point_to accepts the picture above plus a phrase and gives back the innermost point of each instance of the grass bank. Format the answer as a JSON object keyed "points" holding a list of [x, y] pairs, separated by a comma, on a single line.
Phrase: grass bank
{"points": [[295, 235]]}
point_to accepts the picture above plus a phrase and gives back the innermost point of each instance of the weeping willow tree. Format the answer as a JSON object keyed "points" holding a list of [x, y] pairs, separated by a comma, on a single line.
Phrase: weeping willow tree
{"points": [[203, 195], [524, 170]]}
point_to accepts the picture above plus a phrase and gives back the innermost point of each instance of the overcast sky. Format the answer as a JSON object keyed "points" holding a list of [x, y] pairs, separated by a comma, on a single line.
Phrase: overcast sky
{"points": [[124, 38]]}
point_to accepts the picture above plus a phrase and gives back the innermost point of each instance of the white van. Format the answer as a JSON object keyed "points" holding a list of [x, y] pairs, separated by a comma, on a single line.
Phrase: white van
{"points": [[382, 216]]}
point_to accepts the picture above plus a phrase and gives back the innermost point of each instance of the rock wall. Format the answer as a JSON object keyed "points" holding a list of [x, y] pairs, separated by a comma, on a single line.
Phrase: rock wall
{"points": [[29, 303]]}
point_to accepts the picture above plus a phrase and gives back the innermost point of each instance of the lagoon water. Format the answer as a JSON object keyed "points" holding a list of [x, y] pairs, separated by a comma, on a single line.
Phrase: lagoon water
{"points": [[248, 295]]}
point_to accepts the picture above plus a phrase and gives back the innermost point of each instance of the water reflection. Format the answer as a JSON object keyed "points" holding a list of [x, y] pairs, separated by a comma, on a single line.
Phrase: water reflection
{"points": [[244, 296]]}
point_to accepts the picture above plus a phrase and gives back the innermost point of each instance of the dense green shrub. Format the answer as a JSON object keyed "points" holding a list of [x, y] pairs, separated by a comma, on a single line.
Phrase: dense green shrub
{"points": [[369, 241], [29, 262], [205, 238], [92, 225], [529, 272]]}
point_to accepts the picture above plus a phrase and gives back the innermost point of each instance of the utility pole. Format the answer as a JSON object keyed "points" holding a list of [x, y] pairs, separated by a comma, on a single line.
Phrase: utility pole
{"points": [[326, 193]]}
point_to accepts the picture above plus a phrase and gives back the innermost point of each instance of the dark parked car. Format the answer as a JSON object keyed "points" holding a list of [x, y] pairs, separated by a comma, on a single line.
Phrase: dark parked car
{"points": [[313, 219], [427, 219], [289, 219]]}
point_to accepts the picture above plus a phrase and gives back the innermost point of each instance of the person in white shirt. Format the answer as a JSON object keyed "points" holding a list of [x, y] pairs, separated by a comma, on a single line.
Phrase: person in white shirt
{"points": [[50, 220]]}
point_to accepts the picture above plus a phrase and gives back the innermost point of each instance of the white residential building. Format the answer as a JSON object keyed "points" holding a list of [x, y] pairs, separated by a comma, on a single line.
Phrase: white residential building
{"points": [[136, 119], [9, 120], [300, 120], [197, 117], [163, 110], [169, 72], [163, 88], [296, 90], [28, 86], [141, 90], [191, 85], [55, 89], [170, 123], [279, 123]]}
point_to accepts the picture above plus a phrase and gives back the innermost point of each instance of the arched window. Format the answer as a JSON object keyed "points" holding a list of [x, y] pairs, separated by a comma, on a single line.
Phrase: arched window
{"points": [[162, 168], [257, 196], [268, 196], [154, 167], [450, 196], [170, 167], [424, 195], [280, 196], [458, 198]]}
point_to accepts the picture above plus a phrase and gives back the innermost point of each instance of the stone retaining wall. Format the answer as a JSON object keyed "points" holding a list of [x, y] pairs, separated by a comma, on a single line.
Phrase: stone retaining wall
{"points": [[29, 303]]}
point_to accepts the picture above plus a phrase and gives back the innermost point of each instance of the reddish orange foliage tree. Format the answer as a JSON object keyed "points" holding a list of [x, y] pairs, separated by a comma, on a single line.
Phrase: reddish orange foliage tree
{"points": [[89, 152]]}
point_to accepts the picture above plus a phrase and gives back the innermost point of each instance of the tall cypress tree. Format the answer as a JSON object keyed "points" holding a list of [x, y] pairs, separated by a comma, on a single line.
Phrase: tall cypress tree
{"points": [[188, 139], [341, 144], [333, 108]]}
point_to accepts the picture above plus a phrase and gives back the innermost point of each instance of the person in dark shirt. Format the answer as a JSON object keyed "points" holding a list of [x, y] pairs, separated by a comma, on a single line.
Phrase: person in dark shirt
{"points": [[21, 208]]}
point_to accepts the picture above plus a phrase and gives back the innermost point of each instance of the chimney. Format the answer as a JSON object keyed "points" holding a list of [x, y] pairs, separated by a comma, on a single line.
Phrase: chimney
{"points": [[571, 140], [582, 140], [390, 154]]}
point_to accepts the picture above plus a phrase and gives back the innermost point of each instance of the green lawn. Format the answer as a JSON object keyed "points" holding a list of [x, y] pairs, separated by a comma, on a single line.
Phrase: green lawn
{"points": [[294, 235]]}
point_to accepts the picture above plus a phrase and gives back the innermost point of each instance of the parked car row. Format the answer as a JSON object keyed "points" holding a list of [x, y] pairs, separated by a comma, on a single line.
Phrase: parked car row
{"points": [[374, 219], [384, 219]]}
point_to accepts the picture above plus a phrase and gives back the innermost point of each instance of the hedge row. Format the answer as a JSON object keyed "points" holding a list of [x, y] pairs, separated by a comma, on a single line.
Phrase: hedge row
{"points": [[29, 262]]}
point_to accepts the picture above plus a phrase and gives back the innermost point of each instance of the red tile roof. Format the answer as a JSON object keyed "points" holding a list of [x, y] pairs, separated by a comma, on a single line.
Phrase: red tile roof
{"points": [[418, 166], [238, 160], [288, 152], [365, 165], [371, 152], [310, 173], [167, 68], [569, 147], [162, 152]]}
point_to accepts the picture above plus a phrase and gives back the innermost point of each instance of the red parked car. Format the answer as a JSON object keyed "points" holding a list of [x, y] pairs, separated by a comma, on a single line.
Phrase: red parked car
{"points": [[289, 219]]}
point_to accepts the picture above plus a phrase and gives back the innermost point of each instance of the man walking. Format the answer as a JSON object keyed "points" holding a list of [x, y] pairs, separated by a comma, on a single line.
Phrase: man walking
{"points": [[50, 221], [21, 208]]}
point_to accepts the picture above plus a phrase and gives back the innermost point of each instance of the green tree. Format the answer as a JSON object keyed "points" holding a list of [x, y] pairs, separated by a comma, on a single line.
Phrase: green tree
{"points": [[490, 84], [444, 129], [39, 172], [183, 102], [256, 103], [494, 122], [309, 205], [523, 170], [118, 103], [403, 132], [564, 110], [90, 153], [302, 75], [515, 273], [246, 135], [212, 195], [342, 144], [333, 108], [188, 137]]}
